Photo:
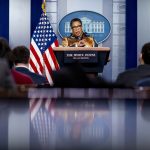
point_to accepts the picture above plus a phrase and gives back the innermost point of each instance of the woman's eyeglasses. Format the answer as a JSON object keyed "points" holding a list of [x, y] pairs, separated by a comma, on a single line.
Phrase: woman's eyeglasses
{"points": [[75, 27]]}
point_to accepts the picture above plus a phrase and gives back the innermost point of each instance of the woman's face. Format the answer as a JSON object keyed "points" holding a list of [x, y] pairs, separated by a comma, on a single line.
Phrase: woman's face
{"points": [[77, 29]]}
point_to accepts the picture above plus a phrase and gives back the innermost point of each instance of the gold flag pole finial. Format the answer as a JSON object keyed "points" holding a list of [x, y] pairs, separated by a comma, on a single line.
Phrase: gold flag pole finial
{"points": [[44, 6]]}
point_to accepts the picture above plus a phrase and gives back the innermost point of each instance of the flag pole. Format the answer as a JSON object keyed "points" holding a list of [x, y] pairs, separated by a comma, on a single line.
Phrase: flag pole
{"points": [[44, 6], [44, 11]]}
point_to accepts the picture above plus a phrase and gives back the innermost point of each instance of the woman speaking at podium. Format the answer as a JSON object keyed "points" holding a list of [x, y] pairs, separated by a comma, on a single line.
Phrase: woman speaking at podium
{"points": [[78, 38]]}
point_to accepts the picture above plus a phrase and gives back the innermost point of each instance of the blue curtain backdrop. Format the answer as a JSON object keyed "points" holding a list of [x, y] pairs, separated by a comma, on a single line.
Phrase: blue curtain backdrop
{"points": [[4, 16], [131, 33], [36, 12], [4, 19]]}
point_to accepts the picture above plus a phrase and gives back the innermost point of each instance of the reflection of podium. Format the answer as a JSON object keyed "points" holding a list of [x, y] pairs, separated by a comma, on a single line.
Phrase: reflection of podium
{"points": [[92, 59]]}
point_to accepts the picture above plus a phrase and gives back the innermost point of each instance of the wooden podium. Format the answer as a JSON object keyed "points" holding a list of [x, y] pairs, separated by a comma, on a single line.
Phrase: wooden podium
{"points": [[92, 59]]}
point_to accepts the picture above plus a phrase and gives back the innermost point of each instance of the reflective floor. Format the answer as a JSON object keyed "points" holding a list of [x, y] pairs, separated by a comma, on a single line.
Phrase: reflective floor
{"points": [[73, 124], [77, 120]]}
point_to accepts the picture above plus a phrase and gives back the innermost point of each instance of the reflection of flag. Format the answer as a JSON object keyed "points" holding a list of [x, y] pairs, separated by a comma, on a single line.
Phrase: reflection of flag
{"points": [[37, 103], [42, 122], [42, 58]]}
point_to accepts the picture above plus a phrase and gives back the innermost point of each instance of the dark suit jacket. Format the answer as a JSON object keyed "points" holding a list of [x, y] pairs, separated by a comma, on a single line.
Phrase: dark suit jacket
{"points": [[37, 79], [130, 77]]}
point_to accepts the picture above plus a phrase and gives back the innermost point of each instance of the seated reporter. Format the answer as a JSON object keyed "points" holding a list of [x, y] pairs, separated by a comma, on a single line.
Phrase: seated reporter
{"points": [[78, 38], [22, 55], [132, 76], [6, 53]]}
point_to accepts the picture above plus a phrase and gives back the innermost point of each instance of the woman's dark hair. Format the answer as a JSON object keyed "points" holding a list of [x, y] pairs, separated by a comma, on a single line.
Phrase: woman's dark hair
{"points": [[5, 52], [4, 47], [73, 20]]}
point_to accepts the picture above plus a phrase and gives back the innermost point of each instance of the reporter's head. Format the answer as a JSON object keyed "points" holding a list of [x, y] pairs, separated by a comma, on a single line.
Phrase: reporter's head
{"points": [[145, 54]]}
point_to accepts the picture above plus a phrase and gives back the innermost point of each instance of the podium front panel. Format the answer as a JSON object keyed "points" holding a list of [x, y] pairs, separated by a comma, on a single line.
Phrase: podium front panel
{"points": [[80, 57], [91, 61]]}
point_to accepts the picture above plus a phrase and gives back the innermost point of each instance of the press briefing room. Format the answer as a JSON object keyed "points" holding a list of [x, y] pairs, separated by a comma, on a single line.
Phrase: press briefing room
{"points": [[74, 74]]}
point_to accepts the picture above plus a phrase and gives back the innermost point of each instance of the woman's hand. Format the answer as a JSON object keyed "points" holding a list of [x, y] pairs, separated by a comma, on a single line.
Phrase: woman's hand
{"points": [[81, 43]]}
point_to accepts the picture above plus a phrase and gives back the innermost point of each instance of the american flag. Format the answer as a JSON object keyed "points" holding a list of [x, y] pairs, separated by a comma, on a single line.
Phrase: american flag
{"points": [[42, 57]]}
